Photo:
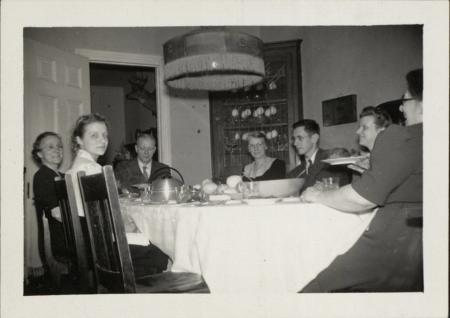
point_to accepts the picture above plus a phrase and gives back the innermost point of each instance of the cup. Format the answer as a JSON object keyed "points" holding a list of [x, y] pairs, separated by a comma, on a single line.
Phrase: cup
{"points": [[330, 183], [253, 189], [146, 194], [183, 194]]}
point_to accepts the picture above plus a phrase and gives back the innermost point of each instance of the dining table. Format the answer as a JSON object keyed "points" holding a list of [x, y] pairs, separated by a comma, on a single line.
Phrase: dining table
{"points": [[248, 246]]}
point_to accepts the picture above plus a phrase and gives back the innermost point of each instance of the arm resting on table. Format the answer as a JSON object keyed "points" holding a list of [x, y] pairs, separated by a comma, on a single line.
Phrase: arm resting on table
{"points": [[344, 199]]}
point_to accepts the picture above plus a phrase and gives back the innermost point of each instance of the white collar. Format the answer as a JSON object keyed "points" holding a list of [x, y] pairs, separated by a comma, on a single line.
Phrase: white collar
{"points": [[148, 165], [85, 155], [313, 157]]}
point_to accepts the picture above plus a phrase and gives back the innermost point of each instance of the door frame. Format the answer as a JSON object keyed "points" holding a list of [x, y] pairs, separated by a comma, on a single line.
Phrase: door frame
{"points": [[162, 97]]}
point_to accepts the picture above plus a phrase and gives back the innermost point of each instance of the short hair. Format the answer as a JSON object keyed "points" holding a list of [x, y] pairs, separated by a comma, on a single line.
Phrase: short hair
{"points": [[37, 145], [257, 134], [310, 126], [145, 135], [382, 118], [338, 152], [415, 83], [80, 127]]}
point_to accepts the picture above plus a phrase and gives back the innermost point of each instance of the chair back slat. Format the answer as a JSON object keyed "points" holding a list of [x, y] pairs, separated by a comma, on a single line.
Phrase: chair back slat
{"points": [[110, 251], [63, 202], [73, 233]]}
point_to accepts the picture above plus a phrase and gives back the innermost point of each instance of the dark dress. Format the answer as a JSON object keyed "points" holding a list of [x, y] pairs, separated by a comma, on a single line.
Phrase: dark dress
{"points": [[388, 256], [276, 171], [45, 200]]}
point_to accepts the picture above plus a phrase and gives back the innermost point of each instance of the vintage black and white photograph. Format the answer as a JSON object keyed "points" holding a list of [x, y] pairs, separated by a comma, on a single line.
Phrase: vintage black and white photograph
{"points": [[225, 166]]}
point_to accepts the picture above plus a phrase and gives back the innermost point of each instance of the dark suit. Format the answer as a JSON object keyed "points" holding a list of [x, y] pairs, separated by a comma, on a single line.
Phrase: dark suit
{"points": [[128, 173], [319, 170]]}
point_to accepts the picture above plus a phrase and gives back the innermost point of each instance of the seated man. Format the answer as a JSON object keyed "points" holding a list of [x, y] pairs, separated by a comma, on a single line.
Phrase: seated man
{"points": [[143, 168], [306, 135]]}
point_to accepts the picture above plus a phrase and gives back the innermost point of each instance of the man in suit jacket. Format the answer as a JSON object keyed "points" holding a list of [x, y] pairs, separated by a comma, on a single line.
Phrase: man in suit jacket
{"points": [[306, 134], [142, 169]]}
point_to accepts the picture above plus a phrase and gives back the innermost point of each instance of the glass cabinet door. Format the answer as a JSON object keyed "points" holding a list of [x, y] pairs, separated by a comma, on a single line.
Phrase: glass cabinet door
{"points": [[271, 107]]}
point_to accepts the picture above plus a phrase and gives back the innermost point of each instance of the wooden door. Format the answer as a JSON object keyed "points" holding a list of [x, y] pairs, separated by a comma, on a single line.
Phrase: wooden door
{"points": [[56, 93]]}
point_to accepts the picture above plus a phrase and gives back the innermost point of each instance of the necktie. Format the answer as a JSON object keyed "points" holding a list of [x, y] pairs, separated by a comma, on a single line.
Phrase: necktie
{"points": [[308, 164], [144, 169]]}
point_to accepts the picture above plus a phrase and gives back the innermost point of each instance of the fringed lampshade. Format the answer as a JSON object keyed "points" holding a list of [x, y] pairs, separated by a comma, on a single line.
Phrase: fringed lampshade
{"points": [[213, 59]]}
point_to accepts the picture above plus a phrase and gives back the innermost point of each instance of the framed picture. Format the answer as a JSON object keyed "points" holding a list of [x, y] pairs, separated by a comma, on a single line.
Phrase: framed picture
{"points": [[337, 111]]}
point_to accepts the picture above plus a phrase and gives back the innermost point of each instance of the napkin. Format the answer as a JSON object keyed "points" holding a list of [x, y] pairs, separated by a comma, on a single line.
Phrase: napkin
{"points": [[137, 239]]}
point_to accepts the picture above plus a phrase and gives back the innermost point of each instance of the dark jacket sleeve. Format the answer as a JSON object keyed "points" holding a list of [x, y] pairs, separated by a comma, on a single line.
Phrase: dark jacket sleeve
{"points": [[121, 174], [44, 191], [390, 165]]}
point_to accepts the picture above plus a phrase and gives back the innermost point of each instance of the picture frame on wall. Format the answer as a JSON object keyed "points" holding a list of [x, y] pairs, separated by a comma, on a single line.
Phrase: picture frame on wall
{"points": [[338, 111]]}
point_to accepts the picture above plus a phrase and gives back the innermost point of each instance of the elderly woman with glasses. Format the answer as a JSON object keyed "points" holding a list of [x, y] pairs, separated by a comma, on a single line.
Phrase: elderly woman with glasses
{"points": [[388, 256], [48, 155], [263, 167]]}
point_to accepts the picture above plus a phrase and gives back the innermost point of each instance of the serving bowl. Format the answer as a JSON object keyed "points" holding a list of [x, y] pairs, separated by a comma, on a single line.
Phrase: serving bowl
{"points": [[279, 188]]}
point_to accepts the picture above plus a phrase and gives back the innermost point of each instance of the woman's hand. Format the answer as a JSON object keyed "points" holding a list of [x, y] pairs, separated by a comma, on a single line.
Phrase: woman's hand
{"points": [[56, 214], [311, 195]]}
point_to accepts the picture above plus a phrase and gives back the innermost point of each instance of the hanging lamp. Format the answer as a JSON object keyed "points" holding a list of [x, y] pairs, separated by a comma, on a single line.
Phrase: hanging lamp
{"points": [[213, 59]]}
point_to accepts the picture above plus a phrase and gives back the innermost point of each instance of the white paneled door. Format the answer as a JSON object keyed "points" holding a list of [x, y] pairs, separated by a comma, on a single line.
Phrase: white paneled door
{"points": [[56, 93]]}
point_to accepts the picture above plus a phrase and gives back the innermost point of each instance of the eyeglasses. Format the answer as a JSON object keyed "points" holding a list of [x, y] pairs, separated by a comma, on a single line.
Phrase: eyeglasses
{"points": [[146, 149], [402, 100], [51, 148], [256, 146]]}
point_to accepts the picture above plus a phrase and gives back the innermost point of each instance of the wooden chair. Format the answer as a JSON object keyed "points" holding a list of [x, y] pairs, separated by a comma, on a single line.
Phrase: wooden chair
{"points": [[73, 234], [57, 266], [113, 267]]}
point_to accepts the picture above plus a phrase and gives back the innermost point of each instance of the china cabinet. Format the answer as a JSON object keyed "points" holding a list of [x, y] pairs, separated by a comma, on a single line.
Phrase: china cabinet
{"points": [[271, 106]]}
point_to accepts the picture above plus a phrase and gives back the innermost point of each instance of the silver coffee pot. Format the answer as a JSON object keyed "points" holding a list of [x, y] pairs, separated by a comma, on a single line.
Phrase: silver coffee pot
{"points": [[166, 187]]}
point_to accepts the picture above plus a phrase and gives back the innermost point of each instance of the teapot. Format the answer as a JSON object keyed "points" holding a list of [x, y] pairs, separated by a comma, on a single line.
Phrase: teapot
{"points": [[165, 188]]}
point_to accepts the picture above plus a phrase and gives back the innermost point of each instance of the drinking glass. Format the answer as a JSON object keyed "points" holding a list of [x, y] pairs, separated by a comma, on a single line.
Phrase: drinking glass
{"points": [[253, 189], [146, 194], [182, 194], [330, 183]]}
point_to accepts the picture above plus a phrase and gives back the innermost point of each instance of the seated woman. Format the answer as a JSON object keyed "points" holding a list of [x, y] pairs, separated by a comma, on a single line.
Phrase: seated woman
{"points": [[48, 154], [372, 121], [388, 256], [263, 167], [90, 141]]}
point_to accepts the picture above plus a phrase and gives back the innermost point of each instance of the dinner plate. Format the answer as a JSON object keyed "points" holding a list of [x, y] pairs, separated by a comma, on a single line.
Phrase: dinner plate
{"points": [[343, 160], [232, 202], [263, 201], [141, 186], [290, 199], [171, 202]]}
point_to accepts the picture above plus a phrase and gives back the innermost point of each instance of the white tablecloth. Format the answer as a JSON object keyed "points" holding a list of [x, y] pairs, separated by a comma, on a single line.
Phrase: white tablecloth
{"points": [[278, 247]]}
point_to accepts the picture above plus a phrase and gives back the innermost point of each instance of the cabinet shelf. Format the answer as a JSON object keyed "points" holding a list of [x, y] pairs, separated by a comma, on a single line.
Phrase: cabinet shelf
{"points": [[258, 102], [254, 126], [243, 153]]}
